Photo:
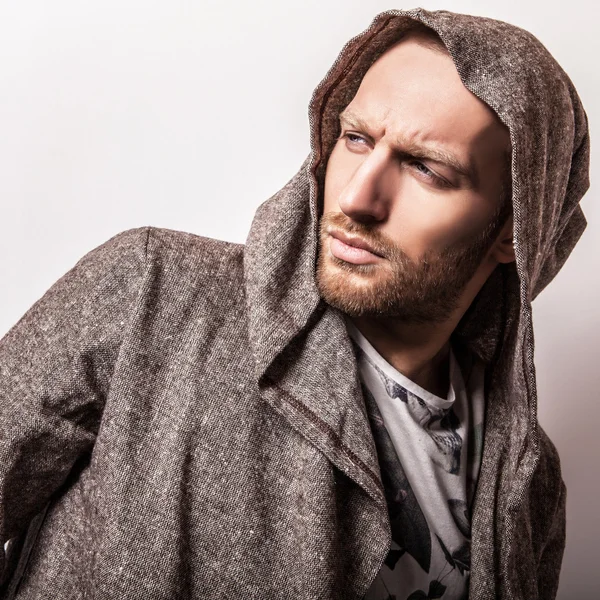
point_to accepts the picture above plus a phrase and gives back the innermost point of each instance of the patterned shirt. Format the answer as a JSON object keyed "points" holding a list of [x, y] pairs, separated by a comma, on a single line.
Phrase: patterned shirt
{"points": [[429, 451]]}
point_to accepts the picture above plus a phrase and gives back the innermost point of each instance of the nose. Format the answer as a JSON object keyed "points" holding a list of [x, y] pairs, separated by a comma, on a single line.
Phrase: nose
{"points": [[367, 195]]}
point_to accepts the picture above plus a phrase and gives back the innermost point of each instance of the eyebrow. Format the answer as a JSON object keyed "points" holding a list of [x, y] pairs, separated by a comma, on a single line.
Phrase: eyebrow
{"points": [[433, 153]]}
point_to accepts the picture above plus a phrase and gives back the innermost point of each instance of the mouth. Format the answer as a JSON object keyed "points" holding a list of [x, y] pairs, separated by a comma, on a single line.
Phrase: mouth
{"points": [[352, 249]]}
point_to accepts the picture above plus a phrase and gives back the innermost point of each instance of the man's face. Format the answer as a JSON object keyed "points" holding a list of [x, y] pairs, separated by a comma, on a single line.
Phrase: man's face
{"points": [[415, 176]]}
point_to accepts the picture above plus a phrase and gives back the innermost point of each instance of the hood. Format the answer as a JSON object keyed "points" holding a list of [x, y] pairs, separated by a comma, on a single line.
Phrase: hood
{"points": [[515, 75]]}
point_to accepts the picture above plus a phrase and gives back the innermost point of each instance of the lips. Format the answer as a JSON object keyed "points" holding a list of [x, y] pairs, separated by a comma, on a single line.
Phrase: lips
{"points": [[352, 249], [356, 242]]}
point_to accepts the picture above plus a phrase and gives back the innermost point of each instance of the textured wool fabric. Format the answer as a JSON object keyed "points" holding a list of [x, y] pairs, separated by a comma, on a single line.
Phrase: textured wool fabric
{"points": [[182, 417]]}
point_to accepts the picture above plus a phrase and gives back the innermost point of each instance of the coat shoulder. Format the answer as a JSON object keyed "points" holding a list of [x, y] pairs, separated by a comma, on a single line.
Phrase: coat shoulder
{"points": [[549, 465], [190, 255], [179, 265], [193, 250], [185, 266], [547, 483]]}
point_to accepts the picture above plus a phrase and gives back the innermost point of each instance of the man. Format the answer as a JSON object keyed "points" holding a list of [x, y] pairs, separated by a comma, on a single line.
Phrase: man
{"points": [[414, 223], [344, 407]]}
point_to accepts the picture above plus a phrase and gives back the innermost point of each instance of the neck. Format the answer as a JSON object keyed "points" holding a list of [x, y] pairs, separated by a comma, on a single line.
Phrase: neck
{"points": [[420, 352]]}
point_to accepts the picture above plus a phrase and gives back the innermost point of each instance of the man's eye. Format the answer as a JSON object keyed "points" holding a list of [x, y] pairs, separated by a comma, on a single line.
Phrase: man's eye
{"points": [[351, 137], [429, 174], [423, 169]]}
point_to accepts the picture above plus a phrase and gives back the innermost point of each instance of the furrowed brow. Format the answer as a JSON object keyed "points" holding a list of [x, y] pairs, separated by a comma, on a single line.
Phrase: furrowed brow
{"points": [[430, 152]]}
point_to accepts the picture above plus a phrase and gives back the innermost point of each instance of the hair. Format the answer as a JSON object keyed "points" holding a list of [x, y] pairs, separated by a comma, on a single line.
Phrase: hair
{"points": [[505, 206], [506, 187], [426, 37]]}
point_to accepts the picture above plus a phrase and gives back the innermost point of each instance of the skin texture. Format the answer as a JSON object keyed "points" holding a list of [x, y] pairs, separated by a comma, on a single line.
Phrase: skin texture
{"points": [[428, 224]]}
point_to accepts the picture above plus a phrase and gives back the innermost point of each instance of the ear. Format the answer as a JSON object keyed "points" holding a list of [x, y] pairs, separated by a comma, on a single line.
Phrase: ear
{"points": [[503, 250]]}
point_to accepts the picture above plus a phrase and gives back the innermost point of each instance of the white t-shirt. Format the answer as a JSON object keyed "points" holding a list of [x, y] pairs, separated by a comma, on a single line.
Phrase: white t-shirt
{"points": [[429, 451]]}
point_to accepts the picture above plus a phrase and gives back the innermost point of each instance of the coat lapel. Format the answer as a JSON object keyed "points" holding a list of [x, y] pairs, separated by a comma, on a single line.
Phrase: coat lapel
{"points": [[304, 362], [315, 384], [305, 365]]}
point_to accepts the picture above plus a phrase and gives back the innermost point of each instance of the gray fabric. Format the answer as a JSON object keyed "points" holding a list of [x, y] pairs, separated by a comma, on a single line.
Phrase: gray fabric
{"points": [[191, 409]]}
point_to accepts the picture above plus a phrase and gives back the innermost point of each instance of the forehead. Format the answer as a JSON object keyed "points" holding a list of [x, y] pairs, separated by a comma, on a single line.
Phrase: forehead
{"points": [[416, 94]]}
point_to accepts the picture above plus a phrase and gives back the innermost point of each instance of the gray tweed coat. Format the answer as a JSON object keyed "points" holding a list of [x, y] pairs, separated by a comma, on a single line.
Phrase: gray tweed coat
{"points": [[181, 417]]}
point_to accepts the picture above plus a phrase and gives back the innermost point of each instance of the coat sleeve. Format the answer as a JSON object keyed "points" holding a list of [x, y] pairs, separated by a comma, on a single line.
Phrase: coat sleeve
{"points": [[552, 554], [56, 365]]}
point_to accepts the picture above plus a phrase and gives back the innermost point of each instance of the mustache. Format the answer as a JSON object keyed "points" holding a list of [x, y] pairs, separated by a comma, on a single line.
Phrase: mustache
{"points": [[338, 221]]}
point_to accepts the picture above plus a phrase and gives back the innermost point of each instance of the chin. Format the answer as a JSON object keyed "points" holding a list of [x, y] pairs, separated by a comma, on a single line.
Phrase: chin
{"points": [[349, 287]]}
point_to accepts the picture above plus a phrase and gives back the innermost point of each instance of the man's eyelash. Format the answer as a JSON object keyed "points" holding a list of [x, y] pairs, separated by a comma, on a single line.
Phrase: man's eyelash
{"points": [[349, 135], [430, 174]]}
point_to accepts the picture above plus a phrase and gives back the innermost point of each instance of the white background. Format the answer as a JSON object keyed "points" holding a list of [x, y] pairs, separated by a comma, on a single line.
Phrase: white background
{"points": [[118, 114]]}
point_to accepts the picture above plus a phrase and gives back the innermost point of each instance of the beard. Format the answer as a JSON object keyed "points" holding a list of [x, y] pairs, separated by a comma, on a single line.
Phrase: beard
{"points": [[424, 291]]}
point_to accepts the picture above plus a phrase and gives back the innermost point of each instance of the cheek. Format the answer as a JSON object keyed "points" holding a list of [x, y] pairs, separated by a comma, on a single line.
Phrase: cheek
{"points": [[425, 220], [333, 182], [330, 192]]}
